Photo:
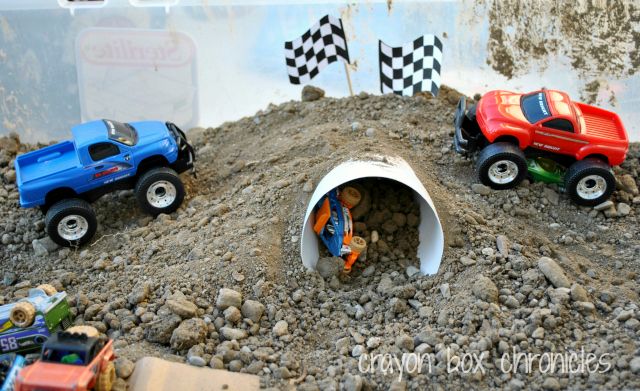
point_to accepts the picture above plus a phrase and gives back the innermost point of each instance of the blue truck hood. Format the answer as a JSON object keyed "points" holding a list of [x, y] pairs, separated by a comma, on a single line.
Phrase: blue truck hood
{"points": [[150, 131]]}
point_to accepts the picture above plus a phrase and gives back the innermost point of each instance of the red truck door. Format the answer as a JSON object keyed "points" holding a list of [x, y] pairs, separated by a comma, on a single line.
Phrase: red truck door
{"points": [[557, 135]]}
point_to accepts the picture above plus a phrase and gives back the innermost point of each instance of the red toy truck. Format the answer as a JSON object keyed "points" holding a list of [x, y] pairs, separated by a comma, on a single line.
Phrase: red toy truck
{"points": [[512, 129], [73, 360]]}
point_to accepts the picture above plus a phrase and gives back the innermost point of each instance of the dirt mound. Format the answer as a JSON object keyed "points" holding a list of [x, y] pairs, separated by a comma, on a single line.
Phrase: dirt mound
{"points": [[156, 285]]}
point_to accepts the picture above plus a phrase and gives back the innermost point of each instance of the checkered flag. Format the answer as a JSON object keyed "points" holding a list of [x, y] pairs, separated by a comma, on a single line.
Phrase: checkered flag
{"points": [[411, 68], [321, 45]]}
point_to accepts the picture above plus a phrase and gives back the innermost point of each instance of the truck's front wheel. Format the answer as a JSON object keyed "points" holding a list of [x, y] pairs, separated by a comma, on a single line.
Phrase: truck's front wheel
{"points": [[501, 166], [71, 222], [159, 190], [589, 182]]}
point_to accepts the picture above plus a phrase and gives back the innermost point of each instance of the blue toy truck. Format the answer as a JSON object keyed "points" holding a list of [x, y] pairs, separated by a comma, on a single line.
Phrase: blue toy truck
{"points": [[104, 156]]}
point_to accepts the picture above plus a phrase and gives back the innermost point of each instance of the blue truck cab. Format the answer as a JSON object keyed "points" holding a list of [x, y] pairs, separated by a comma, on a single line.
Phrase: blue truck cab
{"points": [[103, 156]]}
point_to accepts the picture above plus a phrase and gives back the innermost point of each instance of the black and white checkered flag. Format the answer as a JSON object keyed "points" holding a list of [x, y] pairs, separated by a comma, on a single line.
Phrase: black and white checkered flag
{"points": [[321, 45], [411, 68]]}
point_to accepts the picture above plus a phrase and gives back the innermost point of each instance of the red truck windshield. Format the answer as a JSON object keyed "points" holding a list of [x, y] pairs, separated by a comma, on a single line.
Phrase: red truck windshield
{"points": [[535, 107], [121, 132]]}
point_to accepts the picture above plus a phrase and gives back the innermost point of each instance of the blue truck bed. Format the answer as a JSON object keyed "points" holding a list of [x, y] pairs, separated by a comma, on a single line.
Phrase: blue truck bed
{"points": [[46, 161]]}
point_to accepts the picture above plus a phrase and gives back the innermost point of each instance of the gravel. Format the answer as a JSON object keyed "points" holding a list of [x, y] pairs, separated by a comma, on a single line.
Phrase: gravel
{"points": [[221, 282]]}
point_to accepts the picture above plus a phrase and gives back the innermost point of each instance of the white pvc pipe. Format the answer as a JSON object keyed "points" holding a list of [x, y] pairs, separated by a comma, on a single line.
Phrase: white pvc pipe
{"points": [[430, 232]]}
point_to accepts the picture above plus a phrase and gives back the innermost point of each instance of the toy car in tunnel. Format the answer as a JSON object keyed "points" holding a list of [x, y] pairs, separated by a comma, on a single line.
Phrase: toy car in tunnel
{"points": [[104, 156], [334, 225], [518, 133], [72, 360], [26, 324]]}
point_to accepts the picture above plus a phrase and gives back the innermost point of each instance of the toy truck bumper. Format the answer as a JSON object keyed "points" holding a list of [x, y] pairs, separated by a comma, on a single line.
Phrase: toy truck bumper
{"points": [[463, 142], [186, 153]]}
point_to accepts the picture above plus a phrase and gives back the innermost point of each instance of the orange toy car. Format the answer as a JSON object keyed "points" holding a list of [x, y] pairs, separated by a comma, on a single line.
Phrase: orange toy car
{"points": [[72, 360], [334, 225]]}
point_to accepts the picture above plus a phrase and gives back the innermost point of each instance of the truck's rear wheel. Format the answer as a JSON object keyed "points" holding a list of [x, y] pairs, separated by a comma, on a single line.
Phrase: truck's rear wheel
{"points": [[22, 314], [589, 182], [501, 166], [71, 222], [106, 378], [159, 190]]}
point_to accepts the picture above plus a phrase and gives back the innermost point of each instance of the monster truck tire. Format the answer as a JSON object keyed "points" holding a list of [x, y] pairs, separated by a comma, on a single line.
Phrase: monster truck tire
{"points": [[159, 190], [106, 378], [22, 314], [358, 244], [589, 182], [501, 166], [89, 331], [350, 196], [71, 222], [48, 289]]}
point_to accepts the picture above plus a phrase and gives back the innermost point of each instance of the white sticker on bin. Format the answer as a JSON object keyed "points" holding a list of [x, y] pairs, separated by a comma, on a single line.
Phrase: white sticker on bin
{"points": [[431, 236]]}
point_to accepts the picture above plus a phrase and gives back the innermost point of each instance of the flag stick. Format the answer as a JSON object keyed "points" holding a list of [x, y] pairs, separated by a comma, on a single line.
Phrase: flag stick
{"points": [[346, 71]]}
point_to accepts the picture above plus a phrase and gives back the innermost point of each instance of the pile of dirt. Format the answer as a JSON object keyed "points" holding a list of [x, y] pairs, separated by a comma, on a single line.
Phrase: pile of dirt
{"points": [[220, 282]]}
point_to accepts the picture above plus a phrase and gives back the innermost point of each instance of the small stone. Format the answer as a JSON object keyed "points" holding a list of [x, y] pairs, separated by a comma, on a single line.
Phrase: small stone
{"points": [[578, 293], [374, 342], [232, 314], [538, 333], [311, 93], [182, 307], [634, 365], [623, 209], [404, 342], [358, 350], [444, 289], [484, 289], [412, 271], [161, 330], [370, 132], [551, 383], [124, 367], [189, 332], [355, 126], [466, 261], [553, 272], [604, 206], [585, 307], [481, 189], [503, 245], [229, 333], [375, 236], [253, 310], [328, 267], [228, 298], [308, 186], [551, 195], [196, 361], [628, 184], [281, 328]]}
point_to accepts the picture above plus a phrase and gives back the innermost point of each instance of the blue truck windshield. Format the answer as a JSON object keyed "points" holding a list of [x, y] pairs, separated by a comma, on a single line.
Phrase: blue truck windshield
{"points": [[535, 107], [121, 132]]}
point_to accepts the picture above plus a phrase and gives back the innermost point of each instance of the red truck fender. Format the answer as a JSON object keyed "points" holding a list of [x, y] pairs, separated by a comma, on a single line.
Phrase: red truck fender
{"points": [[510, 133], [609, 154]]}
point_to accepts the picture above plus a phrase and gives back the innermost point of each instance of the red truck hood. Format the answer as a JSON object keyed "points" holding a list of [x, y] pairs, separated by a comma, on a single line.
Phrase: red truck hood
{"points": [[39, 375], [500, 107]]}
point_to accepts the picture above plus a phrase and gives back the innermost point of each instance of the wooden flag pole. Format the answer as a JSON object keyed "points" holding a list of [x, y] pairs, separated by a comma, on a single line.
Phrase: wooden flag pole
{"points": [[346, 71]]}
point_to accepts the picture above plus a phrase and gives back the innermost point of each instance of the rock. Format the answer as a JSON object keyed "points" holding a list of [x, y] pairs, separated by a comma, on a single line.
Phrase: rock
{"points": [[484, 289], [355, 126], [281, 328], [604, 206], [634, 365], [404, 342], [412, 271], [161, 330], [623, 209], [551, 383], [232, 314], [538, 333], [551, 195], [139, 293], [466, 261], [370, 132], [38, 248], [352, 382], [503, 245], [228, 298], [358, 350], [311, 93], [481, 189], [253, 310], [189, 332], [124, 367], [553, 272], [624, 315], [329, 266], [375, 236], [230, 333], [374, 342], [628, 184], [578, 293], [183, 308], [444, 289], [196, 361], [585, 307]]}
